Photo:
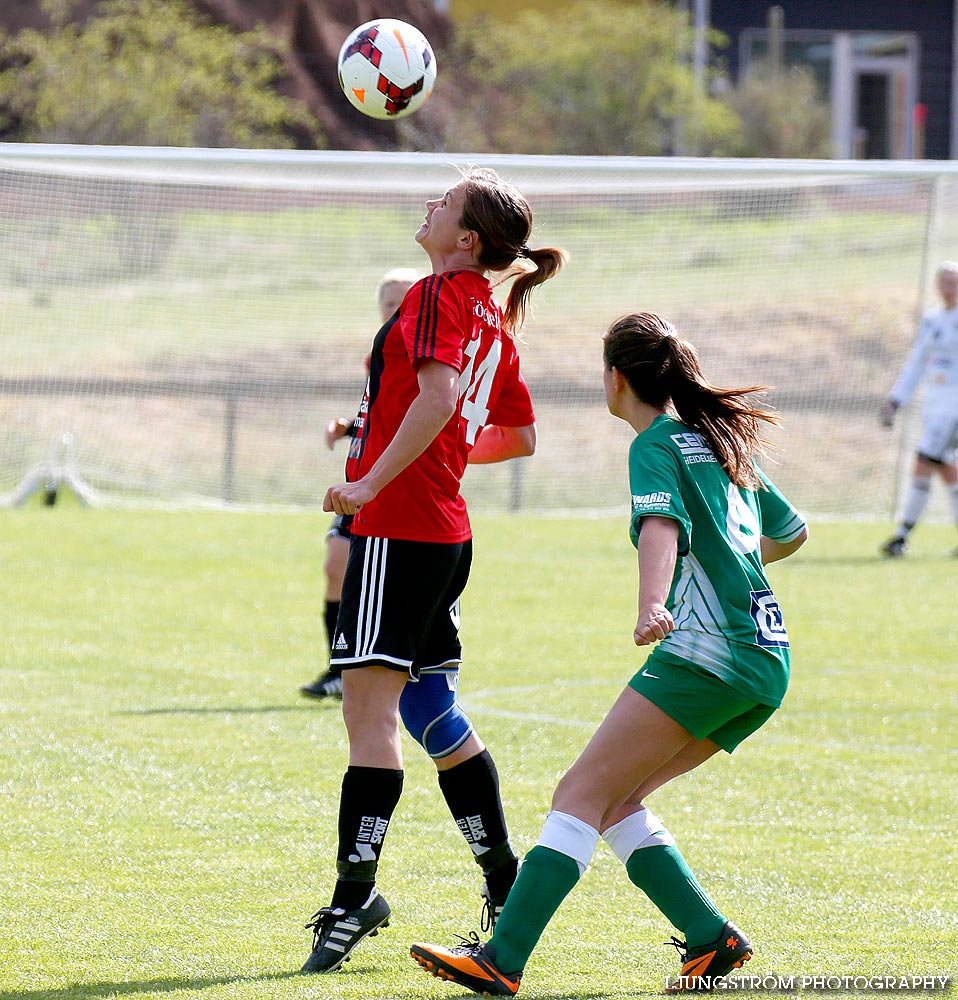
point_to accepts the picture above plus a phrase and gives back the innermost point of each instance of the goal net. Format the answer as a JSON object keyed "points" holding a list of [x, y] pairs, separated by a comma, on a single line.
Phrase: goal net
{"points": [[178, 326]]}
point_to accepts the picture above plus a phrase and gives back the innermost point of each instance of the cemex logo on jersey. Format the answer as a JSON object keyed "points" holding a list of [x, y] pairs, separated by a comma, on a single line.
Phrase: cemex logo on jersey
{"points": [[694, 448], [769, 624]]}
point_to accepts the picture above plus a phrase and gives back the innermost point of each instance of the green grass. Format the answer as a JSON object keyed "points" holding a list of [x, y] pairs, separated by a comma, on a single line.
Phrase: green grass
{"points": [[168, 802]]}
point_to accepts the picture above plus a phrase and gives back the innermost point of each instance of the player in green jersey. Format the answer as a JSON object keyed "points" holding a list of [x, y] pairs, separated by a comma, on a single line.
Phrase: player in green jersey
{"points": [[705, 522]]}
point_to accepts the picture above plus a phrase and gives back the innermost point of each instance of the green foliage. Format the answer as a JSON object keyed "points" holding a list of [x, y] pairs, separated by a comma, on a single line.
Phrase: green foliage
{"points": [[592, 77], [782, 113], [168, 801], [146, 72]]}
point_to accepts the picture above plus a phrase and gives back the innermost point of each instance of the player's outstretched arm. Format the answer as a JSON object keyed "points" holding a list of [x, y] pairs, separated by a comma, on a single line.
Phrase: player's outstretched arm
{"points": [[497, 444], [336, 429]]}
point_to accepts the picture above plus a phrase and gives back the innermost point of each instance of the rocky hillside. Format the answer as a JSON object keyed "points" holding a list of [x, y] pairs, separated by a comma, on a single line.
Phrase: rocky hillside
{"points": [[313, 31]]}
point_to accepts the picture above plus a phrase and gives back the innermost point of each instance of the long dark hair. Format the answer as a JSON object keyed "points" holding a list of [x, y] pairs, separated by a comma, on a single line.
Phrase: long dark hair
{"points": [[662, 369], [502, 219]]}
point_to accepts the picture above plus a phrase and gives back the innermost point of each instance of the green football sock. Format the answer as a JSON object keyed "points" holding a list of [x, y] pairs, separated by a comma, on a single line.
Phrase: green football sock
{"points": [[663, 875], [545, 879]]}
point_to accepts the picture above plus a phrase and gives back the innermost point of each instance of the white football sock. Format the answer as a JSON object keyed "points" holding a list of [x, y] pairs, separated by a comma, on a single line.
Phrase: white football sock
{"points": [[916, 500], [570, 836], [641, 829]]}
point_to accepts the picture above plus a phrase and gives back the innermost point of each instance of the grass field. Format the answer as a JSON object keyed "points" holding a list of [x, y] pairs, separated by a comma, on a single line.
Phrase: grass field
{"points": [[168, 801]]}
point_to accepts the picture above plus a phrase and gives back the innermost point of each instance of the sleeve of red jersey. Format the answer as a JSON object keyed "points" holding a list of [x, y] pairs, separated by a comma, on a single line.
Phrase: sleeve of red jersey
{"points": [[513, 404], [431, 321]]}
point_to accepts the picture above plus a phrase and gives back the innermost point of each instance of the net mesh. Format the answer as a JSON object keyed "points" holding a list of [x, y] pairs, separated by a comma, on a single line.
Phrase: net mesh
{"points": [[179, 326]]}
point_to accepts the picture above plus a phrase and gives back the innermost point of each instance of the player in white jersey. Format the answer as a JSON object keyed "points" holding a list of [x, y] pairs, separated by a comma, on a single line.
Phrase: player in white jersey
{"points": [[932, 363]]}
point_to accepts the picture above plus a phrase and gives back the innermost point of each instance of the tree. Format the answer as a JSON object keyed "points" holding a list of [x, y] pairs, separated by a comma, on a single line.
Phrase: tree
{"points": [[146, 72], [782, 113], [593, 77]]}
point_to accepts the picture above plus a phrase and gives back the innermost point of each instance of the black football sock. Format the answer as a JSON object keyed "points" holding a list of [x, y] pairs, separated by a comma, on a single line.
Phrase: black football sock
{"points": [[471, 790], [367, 801]]}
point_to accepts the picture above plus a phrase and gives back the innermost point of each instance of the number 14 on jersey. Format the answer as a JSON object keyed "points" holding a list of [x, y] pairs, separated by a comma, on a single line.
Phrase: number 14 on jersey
{"points": [[475, 385]]}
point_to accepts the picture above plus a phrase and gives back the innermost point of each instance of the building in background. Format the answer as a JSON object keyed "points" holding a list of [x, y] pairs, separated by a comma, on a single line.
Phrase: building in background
{"points": [[886, 69]]}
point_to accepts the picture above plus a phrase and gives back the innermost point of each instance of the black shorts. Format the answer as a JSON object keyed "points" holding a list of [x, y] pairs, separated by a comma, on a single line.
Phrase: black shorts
{"points": [[400, 605], [340, 528]]}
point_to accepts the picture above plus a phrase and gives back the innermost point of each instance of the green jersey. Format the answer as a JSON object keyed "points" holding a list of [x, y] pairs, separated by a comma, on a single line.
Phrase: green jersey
{"points": [[727, 620]]}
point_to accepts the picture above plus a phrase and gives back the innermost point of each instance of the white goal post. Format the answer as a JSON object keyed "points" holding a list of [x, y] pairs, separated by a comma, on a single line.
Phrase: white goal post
{"points": [[178, 325]]}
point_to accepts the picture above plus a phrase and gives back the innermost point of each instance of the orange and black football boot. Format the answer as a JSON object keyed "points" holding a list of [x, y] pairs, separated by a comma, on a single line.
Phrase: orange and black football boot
{"points": [[705, 963], [471, 965]]}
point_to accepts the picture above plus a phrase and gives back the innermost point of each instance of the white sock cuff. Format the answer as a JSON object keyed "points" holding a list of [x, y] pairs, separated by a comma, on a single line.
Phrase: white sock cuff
{"points": [[569, 836], [641, 829]]}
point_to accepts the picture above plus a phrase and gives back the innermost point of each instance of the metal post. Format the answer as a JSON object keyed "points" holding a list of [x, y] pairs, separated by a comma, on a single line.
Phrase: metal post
{"points": [[702, 11], [515, 486], [776, 40], [842, 97], [679, 126], [229, 448]]}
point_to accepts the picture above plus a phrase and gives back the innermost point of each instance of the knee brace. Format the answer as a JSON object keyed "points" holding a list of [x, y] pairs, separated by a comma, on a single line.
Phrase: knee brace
{"points": [[431, 714]]}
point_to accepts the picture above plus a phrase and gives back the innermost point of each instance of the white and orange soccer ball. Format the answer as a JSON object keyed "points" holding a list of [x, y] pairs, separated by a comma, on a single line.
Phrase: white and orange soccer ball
{"points": [[387, 69]]}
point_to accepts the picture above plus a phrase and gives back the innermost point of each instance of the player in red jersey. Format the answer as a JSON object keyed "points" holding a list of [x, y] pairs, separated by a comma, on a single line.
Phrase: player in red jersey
{"points": [[444, 389]]}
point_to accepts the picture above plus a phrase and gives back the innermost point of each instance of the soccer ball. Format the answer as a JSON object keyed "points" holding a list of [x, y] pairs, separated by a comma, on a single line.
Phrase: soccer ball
{"points": [[387, 68]]}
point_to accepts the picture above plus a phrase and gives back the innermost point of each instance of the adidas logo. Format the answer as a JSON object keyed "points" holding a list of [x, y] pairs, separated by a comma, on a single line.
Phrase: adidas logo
{"points": [[341, 642]]}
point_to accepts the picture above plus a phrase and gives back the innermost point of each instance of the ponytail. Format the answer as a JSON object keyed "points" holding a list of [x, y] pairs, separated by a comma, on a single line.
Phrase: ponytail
{"points": [[661, 369], [502, 219], [547, 262]]}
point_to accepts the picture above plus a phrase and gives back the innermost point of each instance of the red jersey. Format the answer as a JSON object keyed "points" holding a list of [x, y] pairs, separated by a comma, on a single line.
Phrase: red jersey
{"points": [[451, 318]]}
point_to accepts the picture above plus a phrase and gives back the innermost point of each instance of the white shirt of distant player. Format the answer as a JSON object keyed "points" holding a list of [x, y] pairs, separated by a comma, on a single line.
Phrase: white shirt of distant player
{"points": [[933, 361]]}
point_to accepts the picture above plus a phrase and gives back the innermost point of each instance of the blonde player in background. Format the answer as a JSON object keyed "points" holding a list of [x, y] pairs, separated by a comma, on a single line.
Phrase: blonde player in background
{"points": [[933, 362], [389, 294]]}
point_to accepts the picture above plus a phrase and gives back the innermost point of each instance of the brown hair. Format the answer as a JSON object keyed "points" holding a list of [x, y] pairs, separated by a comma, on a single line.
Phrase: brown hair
{"points": [[502, 219], [661, 369]]}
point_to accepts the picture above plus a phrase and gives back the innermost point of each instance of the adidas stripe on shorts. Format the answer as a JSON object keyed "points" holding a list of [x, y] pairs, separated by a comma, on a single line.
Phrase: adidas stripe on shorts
{"points": [[400, 604]]}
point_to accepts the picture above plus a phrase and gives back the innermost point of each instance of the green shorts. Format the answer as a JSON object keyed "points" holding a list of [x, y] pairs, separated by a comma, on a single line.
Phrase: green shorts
{"points": [[698, 701]]}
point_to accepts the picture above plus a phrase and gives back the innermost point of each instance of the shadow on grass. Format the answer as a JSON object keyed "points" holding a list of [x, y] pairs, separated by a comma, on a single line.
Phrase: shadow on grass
{"points": [[582, 995], [77, 991], [232, 709], [590, 995], [618, 995], [90, 991]]}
